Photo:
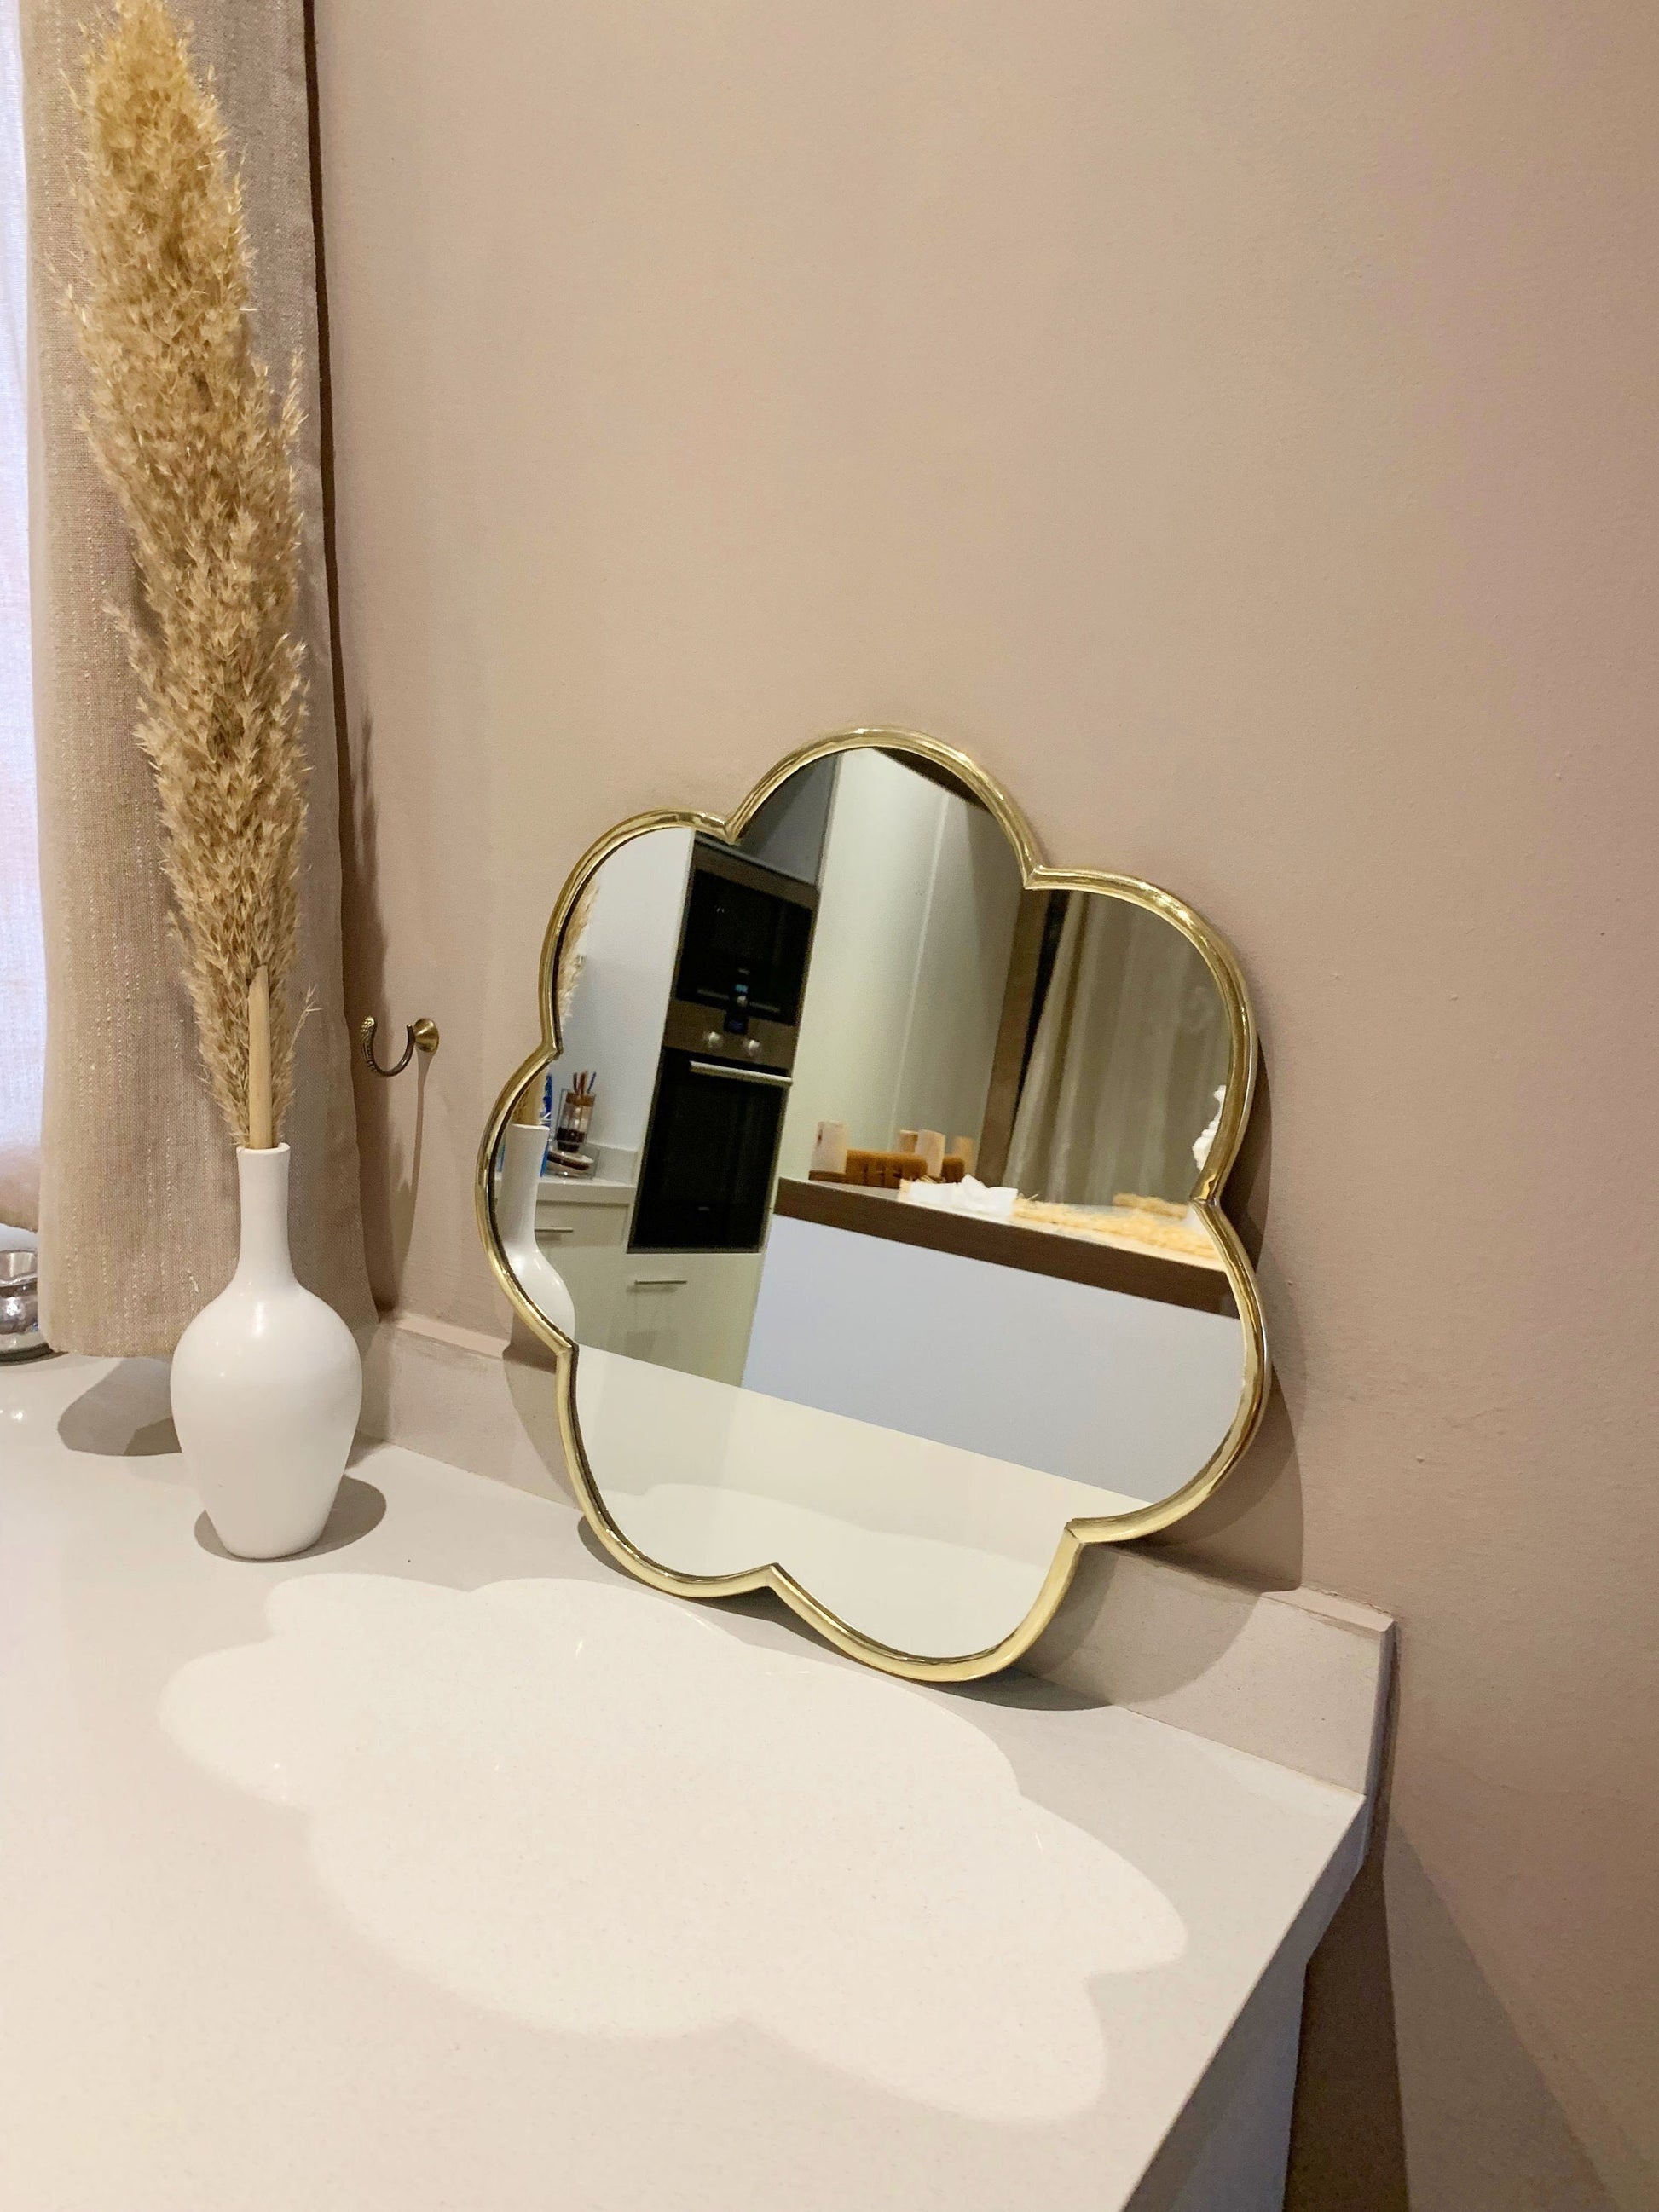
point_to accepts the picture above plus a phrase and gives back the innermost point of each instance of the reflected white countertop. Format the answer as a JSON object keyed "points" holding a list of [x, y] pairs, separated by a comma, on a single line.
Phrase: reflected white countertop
{"points": [[595, 1189], [445, 1868], [610, 1181], [930, 1549]]}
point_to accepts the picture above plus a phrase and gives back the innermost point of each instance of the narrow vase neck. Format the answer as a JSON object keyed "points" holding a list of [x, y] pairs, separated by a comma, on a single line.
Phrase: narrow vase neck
{"points": [[523, 1151], [263, 1259]]}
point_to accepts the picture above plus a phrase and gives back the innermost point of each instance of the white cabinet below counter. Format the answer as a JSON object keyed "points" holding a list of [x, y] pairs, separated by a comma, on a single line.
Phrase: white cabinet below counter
{"points": [[692, 1310], [689, 1310], [583, 1229]]}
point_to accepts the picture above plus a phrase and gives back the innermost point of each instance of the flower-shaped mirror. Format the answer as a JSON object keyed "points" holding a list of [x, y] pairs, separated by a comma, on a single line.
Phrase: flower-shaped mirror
{"points": [[864, 1187]]}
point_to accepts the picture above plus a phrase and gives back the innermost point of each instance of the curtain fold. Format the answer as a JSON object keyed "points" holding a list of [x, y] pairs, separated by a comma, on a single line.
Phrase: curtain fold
{"points": [[138, 1208], [1131, 1045], [23, 980]]}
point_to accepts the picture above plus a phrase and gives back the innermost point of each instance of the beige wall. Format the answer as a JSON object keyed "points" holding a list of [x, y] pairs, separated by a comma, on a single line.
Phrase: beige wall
{"points": [[1239, 427]]}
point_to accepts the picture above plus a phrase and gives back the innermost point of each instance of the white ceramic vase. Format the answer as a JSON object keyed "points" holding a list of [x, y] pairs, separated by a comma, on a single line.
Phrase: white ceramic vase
{"points": [[267, 1385], [525, 1148]]}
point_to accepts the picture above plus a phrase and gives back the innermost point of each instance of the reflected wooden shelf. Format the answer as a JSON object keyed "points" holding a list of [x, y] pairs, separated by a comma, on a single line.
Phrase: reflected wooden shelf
{"points": [[1137, 1272]]}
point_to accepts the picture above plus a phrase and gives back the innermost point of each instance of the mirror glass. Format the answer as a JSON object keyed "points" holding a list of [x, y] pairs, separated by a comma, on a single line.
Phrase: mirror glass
{"points": [[867, 1176]]}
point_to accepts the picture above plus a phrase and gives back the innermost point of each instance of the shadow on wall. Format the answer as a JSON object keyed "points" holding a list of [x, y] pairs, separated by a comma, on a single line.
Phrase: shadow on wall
{"points": [[362, 929], [1489, 2129], [1347, 2129], [1142, 1637], [1251, 1529], [1394, 1991], [388, 1208]]}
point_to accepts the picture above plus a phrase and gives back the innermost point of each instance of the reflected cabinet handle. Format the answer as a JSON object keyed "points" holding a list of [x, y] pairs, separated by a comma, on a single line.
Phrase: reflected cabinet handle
{"points": [[657, 1283], [740, 1074], [557, 1229]]}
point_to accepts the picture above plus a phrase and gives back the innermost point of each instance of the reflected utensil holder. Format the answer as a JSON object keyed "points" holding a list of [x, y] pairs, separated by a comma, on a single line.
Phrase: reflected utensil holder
{"points": [[576, 1117]]}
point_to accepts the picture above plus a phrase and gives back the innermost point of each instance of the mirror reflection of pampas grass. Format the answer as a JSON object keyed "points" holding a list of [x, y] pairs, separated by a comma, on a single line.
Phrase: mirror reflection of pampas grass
{"points": [[573, 958], [184, 428], [573, 954]]}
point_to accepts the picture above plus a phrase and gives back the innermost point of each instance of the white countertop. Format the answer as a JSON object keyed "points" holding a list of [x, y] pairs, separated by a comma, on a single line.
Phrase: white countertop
{"points": [[446, 1869]]}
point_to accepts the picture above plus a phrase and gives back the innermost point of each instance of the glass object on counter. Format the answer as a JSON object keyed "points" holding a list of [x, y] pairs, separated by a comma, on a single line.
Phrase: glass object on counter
{"points": [[19, 1305]]}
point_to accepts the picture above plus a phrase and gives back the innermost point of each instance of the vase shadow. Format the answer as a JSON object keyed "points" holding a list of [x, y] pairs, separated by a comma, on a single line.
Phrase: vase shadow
{"points": [[359, 1508], [124, 1414]]}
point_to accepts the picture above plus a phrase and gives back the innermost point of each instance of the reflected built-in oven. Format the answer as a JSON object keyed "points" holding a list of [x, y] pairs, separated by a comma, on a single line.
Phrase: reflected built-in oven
{"points": [[728, 1048]]}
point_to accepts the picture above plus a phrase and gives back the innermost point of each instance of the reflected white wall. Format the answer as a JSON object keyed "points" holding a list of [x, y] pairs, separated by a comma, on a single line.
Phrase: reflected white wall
{"points": [[920, 893], [962, 973], [622, 1000]]}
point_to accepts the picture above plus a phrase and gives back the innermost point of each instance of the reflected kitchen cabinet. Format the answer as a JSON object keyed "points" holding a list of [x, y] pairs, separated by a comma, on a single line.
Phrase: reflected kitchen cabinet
{"points": [[584, 1232], [690, 1310]]}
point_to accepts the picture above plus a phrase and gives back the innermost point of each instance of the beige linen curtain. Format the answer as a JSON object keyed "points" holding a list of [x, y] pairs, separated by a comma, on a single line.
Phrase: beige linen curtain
{"points": [[138, 1211], [1131, 1046], [22, 987]]}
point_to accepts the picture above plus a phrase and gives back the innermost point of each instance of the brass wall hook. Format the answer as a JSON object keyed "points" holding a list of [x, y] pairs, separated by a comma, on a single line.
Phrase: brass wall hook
{"points": [[423, 1037]]}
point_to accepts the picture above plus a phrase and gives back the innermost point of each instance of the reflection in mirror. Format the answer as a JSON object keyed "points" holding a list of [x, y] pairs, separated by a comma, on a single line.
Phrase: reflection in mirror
{"points": [[868, 1179]]}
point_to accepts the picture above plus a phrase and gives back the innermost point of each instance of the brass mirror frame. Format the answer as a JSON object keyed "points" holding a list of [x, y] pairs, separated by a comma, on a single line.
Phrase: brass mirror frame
{"points": [[1078, 1535]]}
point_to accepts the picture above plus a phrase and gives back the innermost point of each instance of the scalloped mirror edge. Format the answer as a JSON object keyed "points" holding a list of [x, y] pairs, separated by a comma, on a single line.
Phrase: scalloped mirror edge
{"points": [[1078, 1535]]}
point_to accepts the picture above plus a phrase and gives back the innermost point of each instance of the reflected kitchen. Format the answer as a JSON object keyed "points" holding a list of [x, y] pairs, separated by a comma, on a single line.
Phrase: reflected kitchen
{"points": [[868, 1172]]}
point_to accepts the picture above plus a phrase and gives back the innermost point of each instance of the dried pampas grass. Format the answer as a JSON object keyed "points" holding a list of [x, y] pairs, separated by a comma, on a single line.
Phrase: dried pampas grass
{"points": [[184, 428]]}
